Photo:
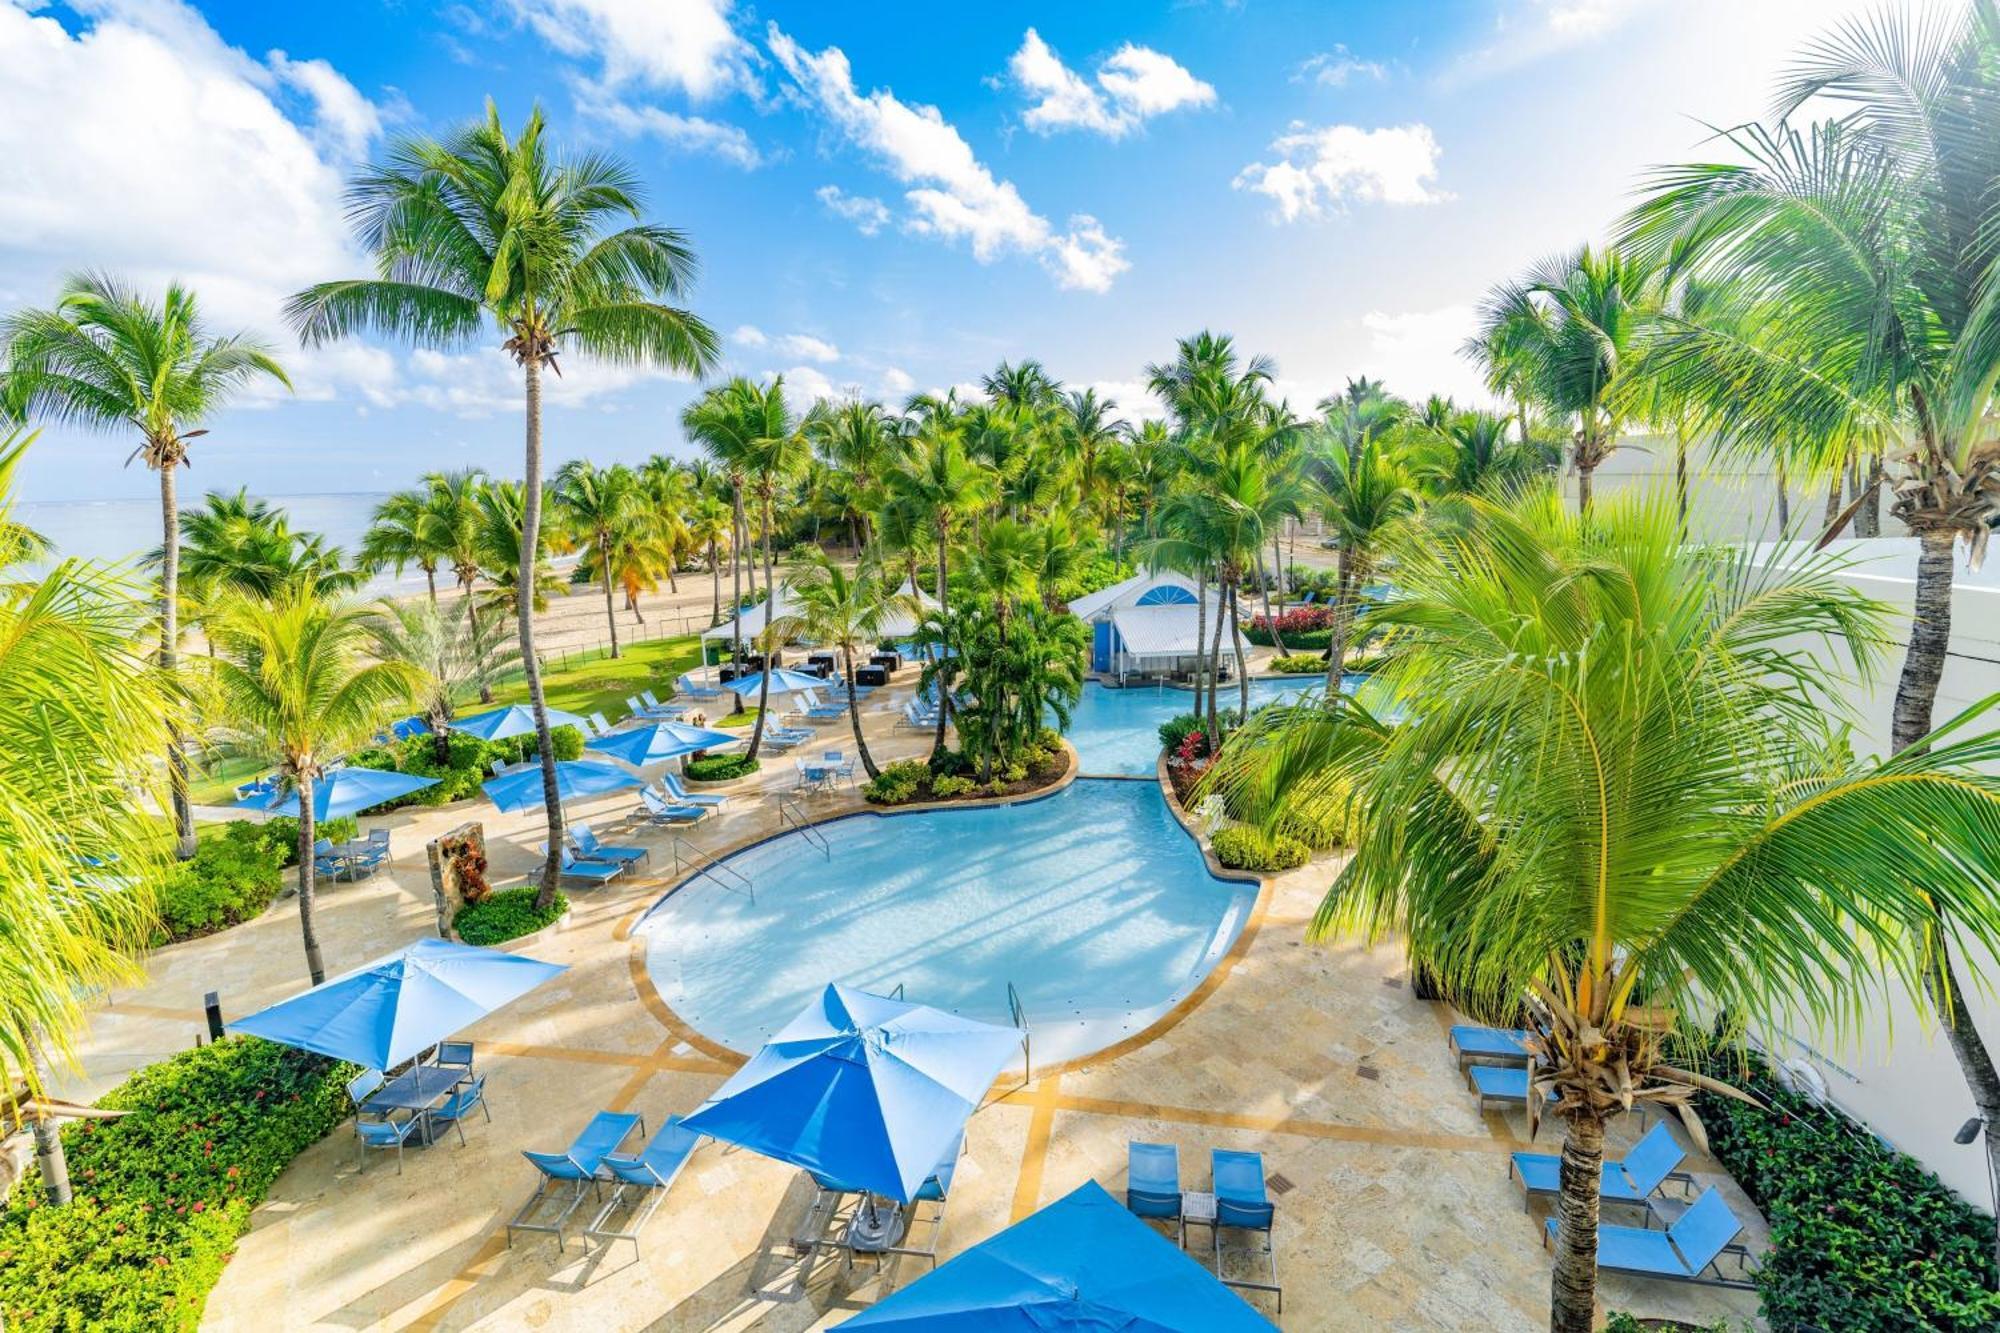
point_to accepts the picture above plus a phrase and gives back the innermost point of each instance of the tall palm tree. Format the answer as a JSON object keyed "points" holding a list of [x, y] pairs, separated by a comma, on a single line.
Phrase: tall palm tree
{"points": [[602, 507], [454, 649], [669, 491], [1364, 494], [481, 230], [708, 522], [832, 605], [106, 358], [1620, 795], [295, 679], [236, 545], [1473, 454], [402, 532], [83, 714], [858, 440], [1858, 305], [500, 541]]}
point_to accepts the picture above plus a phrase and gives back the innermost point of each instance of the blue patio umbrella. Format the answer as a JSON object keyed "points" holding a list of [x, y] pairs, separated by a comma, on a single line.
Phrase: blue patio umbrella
{"points": [[1081, 1263], [782, 682], [513, 720], [522, 788], [388, 1011], [654, 742], [340, 792], [862, 1090]]}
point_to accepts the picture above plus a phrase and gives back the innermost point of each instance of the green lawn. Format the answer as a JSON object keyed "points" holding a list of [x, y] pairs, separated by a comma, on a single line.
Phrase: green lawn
{"points": [[216, 783], [601, 683], [746, 718]]}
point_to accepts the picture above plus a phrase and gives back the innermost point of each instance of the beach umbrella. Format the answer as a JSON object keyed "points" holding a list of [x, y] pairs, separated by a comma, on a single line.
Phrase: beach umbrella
{"points": [[1082, 1263], [863, 1090], [782, 682], [339, 792], [400, 1005], [513, 720], [522, 788], [654, 742]]}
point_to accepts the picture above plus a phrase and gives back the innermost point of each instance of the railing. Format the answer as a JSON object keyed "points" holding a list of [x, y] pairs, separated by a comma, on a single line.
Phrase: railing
{"points": [[686, 854], [790, 813], [1018, 1014], [897, 993]]}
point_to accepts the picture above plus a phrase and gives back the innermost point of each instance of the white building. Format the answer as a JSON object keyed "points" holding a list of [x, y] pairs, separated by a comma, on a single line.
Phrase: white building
{"points": [[1147, 625]]}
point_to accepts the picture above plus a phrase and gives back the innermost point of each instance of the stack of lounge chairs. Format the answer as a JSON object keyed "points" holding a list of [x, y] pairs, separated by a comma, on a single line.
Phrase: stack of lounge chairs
{"points": [[656, 809], [919, 715], [676, 793], [813, 710], [694, 689]]}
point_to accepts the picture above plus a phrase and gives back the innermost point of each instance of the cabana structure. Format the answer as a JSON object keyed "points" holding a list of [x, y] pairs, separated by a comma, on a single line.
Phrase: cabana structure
{"points": [[756, 618], [1149, 625]]}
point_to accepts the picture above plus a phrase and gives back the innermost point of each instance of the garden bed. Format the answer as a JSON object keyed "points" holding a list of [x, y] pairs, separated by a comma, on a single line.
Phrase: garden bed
{"points": [[911, 782]]}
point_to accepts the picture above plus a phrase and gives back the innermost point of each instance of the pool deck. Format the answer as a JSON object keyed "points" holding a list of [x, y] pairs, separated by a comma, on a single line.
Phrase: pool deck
{"points": [[1395, 1209]]}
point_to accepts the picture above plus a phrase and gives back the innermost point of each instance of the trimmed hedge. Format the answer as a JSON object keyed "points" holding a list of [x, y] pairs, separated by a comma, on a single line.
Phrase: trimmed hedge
{"points": [[233, 877], [1247, 848], [1862, 1236], [722, 767], [1299, 664], [163, 1194], [506, 915]]}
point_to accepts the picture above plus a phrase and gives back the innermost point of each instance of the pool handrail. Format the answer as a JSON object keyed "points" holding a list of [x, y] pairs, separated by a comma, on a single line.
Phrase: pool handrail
{"points": [[705, 864], [791, 815]]}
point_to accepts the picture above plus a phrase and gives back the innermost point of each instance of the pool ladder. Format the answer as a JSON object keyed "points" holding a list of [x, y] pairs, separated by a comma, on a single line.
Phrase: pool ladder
{"points": [[686, 854], [791, 814]]}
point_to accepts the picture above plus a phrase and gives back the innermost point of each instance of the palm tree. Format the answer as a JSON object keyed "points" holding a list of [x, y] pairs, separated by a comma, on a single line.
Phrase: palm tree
{"points": [[1567, 329], [857, 440], [1364, 494], [500, 541], [481, 227], [106, 358], [708, 523], [1471, 454], [83, 713], [454, 649], [831, 605], [602, 506], [236, 545], [1619, 794], [294, 677], [1858, 306], [404, 532]]}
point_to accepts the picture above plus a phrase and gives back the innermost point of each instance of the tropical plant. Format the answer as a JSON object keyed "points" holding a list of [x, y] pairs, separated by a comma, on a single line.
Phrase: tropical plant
{"points": [[831, 605], [482, 229], [1621, 792], [236, 545], [1365, 495], [106, 358], [604, 509], [404, 532], [500, 540], [295, 682], [455, 651]]}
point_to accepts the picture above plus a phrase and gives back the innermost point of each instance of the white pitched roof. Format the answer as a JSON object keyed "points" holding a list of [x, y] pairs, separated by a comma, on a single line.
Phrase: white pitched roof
{"points": [[1128, 593], [1160, 631], [754, 620]]}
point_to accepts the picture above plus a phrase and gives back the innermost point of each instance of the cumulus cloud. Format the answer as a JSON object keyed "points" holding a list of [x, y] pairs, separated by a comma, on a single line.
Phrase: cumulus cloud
{"points": [[868, 214], [1338, 68], [692, 134], [1417, 351], [1134, 84], [1325, 169], [801, 345], [952, 194], [687, 46], [346, 121]]}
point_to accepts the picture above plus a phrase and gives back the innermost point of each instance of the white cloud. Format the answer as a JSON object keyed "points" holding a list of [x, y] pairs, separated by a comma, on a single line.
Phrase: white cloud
{"points": [[1533, 30], [953, 195], [896, 384], [748, 335], [485, 382], [803, 346], [1416, 352], [683, 45], [1321, 169], [1338, 68], [694, 134], [347, 122], [1134, 84], [1134, 402], [869, 215]]}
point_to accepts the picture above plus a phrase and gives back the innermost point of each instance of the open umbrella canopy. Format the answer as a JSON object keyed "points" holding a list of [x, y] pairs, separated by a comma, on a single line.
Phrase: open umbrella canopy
{"points": [[398, 1006], [1081, 1263], [513, 720], [522, 788], [340, 792], [782, 682], [862, 1090], [653, 742]]}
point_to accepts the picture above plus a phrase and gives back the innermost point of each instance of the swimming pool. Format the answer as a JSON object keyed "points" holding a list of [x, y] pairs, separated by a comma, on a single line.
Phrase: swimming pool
{"points": [[1093, 903], [1118, 730]]}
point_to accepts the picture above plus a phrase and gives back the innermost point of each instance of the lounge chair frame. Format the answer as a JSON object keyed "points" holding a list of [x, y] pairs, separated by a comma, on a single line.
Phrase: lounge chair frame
{"points": [[593, 1178]]}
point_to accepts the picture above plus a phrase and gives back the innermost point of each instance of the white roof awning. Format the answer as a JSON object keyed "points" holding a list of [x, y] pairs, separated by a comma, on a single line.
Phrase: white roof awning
{"points": [[1160, 631]]}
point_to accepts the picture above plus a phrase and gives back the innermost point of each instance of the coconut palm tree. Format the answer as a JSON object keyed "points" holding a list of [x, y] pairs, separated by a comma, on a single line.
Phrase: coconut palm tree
{"points": [[1471, 453], [603, 507], [1620, 794], [82, 712], [106, 358], [452, 646], [295, 679], [831, 605], [1857, 307], [499, 539], [483, 230], [708, 523], [858, 440], [236, 545], [1364, 493], [404, 532]]}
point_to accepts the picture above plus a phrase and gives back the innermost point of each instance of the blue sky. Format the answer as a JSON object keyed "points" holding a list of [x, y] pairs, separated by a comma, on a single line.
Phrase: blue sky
{"points": [[885, 197]]}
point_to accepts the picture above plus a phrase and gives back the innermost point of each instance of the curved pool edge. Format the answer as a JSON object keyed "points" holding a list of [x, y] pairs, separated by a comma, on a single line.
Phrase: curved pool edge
{"points": [[663, 1012]]}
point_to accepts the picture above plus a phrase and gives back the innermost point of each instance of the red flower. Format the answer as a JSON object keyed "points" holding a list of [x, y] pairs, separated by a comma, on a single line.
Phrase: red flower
{"points": [[200, 1206]]}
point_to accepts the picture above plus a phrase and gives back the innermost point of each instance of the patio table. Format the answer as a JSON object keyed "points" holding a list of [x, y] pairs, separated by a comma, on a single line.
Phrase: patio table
{"points": [[417, 1090], [351, 853]]}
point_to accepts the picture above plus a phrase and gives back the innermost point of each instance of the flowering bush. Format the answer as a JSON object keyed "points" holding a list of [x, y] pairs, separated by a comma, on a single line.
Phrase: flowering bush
{"points": [[1301, 627], [163, 1193]]}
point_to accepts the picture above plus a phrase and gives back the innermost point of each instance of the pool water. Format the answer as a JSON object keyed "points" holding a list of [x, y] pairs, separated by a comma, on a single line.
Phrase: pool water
{"points": [[1094, 903], [1118, 730]]}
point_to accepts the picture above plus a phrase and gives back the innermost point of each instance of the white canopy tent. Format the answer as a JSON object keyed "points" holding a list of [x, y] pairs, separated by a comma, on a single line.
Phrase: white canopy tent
{"points": [[1147, 625], [898, 626]]}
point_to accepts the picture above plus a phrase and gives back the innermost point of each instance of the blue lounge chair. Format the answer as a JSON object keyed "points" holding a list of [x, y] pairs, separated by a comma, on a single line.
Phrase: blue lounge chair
{"points": [[580, 1165], [651, 1174], [591, 849], [640, 709], [461, 1103], [694, 689], [811, 708], [1653, 1161], [654, 810], [673, 789], [660, 709], [598, 721], [1507, 1084], [1153, 1184], [1689, 1250], [592, 872], [1478, 1043], [1243, 1204]]}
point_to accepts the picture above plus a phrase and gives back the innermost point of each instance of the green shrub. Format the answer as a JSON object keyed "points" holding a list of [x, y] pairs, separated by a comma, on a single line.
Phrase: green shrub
{"points": [[1862, 1236], [721, 767], [1246, 848], [1620, 1322], [1299, 664], [897, 783], [162, 1194], [229, 879], [468, 763], [281, 833], [948, 764], [506, 915], [1176, 729], [945, 788]]}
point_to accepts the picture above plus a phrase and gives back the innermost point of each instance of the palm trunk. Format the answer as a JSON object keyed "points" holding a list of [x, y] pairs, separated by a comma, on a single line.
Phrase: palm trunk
{"points": [[610, 609], [524, 615], [1868, 518], [1681, 480], [431, 582], [1200, 630], [308, 929], [1345, 574], [170, 645], [944, 645], [854, 711], [49, 1154], [1270, 614], [736, 580], [1242, 665], [770, 646], [1832, 507], [1583, 471], [1215, 668], [714, 583], [1573, 1286]]}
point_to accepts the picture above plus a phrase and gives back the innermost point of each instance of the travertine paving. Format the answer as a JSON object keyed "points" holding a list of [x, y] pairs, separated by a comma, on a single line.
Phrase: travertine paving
{"points": [[1399, 1211]]}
